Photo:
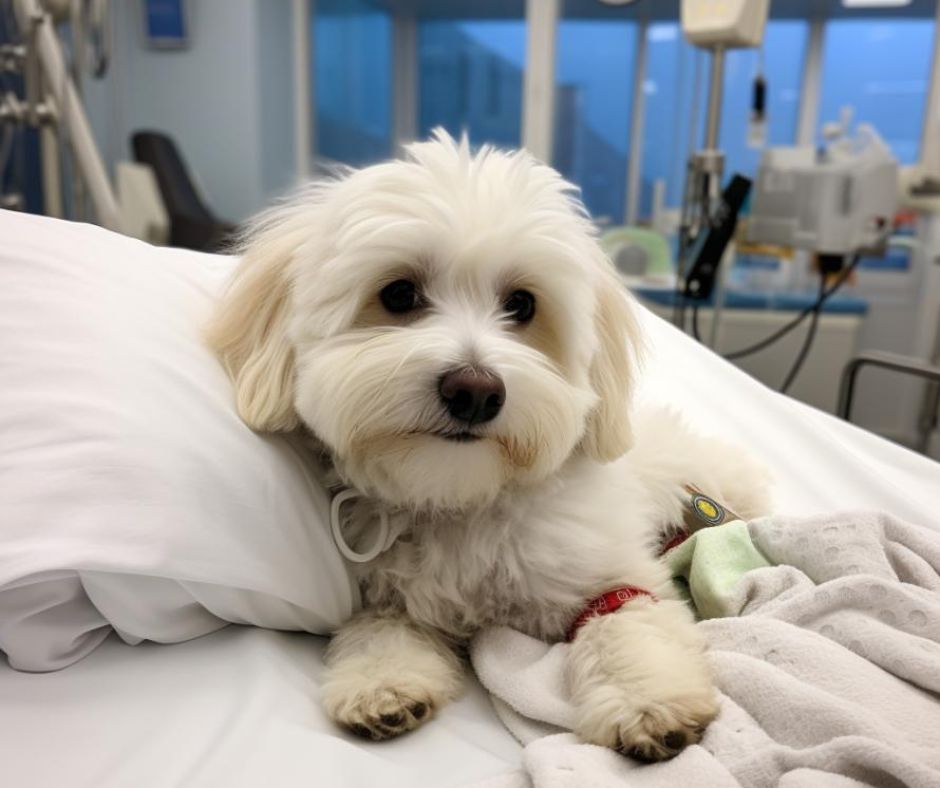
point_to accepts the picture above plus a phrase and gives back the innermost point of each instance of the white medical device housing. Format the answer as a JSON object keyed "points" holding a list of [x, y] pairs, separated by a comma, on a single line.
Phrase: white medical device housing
{"points": [[724, 23], [839, 200]]}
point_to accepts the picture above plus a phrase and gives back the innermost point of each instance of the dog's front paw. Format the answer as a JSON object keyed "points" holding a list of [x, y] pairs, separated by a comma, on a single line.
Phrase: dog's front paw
{"points": [[386, 677], [652, 731], [376, 711], [641, 682]]}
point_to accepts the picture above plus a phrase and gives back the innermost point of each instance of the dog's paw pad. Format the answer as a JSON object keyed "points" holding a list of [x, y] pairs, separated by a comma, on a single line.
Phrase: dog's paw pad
{"points": [[674, 740], [662, 748], [659, 737], [392, 720], [383, 714]]}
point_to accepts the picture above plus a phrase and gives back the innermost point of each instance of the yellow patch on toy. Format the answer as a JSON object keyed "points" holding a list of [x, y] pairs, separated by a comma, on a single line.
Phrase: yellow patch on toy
{"points": [[702, 511]]}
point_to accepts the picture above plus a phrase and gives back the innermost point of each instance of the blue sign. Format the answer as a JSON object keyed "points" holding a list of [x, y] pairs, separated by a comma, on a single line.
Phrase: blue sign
{"points": [[165, 24]]}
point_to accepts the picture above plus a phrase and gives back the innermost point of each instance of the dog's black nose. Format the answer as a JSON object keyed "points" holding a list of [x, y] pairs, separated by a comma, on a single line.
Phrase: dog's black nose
{"points": [[472, 395]]}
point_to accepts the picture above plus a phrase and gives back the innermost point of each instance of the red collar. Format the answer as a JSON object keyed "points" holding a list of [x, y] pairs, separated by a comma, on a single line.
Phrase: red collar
{"points": [[608, 602], [675, 541]]}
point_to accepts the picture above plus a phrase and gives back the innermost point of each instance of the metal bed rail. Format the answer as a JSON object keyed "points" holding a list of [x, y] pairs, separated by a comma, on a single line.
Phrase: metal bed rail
{"points": [[895, 363]]}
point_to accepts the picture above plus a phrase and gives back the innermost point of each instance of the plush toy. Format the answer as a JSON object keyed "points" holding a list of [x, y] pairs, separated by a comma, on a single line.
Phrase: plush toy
{"points": [[709, 553]]}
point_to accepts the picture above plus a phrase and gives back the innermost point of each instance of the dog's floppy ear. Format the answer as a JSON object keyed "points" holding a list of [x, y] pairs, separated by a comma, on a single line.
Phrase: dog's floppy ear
{"points": [[249, 328], [609, 433]]}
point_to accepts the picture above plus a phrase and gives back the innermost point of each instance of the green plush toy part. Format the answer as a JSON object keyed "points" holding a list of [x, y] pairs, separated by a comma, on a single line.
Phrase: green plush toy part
{"points": [[711, 554]]}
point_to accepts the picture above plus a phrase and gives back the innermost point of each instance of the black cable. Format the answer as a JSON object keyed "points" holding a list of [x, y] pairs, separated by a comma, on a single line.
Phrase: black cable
{"points": [[810, 336], [683, 306], [695, 331], [677, 298], [678, 304], [788, 327]]}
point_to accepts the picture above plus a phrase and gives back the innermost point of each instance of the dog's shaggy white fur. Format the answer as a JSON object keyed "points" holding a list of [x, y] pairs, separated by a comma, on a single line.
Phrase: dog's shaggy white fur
{"points": [[516, 520]]}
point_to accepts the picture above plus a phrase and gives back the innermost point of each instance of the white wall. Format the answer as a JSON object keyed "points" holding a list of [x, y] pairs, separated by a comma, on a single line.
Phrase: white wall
{"points": [[226, 99], [275, 85]]}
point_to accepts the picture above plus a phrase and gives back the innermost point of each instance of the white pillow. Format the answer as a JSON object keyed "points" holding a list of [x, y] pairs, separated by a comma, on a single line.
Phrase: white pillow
{"points": [[131, 495]]}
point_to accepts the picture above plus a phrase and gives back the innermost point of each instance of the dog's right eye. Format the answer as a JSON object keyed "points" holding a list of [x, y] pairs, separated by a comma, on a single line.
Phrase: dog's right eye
{"points": [[400, 296]]}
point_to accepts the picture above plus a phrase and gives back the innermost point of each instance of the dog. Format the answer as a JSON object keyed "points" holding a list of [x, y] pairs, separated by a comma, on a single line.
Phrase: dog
{"points": [[446, 327]]}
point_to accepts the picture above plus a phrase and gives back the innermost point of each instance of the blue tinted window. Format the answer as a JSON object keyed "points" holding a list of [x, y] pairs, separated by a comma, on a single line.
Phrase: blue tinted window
{"points": [[594, 83], [881, 67], [675, 71], [352, 64], [784, 53], [470, 79]]}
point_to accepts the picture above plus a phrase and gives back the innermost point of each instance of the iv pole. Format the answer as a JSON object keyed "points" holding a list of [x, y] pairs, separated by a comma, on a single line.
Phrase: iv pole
{"points": [[51, 98], [702, 182]]}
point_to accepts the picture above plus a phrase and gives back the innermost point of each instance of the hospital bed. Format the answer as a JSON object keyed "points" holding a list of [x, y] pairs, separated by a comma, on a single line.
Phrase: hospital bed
{"points": [[239, 706]]}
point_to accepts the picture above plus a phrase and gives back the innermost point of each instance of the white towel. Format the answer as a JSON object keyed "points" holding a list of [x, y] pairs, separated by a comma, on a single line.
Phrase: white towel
{"points": [[828, 666]]}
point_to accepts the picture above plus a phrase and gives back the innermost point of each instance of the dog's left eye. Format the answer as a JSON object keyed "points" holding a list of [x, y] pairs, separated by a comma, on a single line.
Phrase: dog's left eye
{"points": [[400, 296], [520, 306]]}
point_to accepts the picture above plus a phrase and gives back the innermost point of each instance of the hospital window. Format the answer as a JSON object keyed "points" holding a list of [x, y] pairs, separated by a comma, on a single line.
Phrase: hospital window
{"points": [[675, 73], [352, 69], [470, 76], [880, 68], [467, 74], [594, 74]]}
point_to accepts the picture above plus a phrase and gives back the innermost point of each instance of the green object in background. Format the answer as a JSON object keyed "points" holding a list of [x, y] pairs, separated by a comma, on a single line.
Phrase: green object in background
{"points": [[631, 247], [711, 563]]}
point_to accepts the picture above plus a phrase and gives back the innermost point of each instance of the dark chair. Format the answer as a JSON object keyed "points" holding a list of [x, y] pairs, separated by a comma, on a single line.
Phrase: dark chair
{"points": [[192, 223]]}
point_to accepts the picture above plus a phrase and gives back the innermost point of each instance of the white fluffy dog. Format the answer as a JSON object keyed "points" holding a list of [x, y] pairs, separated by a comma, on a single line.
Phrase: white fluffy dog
{"points": [[448, 329]]}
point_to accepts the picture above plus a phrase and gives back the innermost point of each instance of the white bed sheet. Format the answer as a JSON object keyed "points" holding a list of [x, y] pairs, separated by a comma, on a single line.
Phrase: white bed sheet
{"points": [[240, 708], [234, 708]]}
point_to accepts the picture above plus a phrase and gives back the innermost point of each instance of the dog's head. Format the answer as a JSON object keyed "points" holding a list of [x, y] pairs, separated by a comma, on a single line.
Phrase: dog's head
{"points": [[446, 325]]}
